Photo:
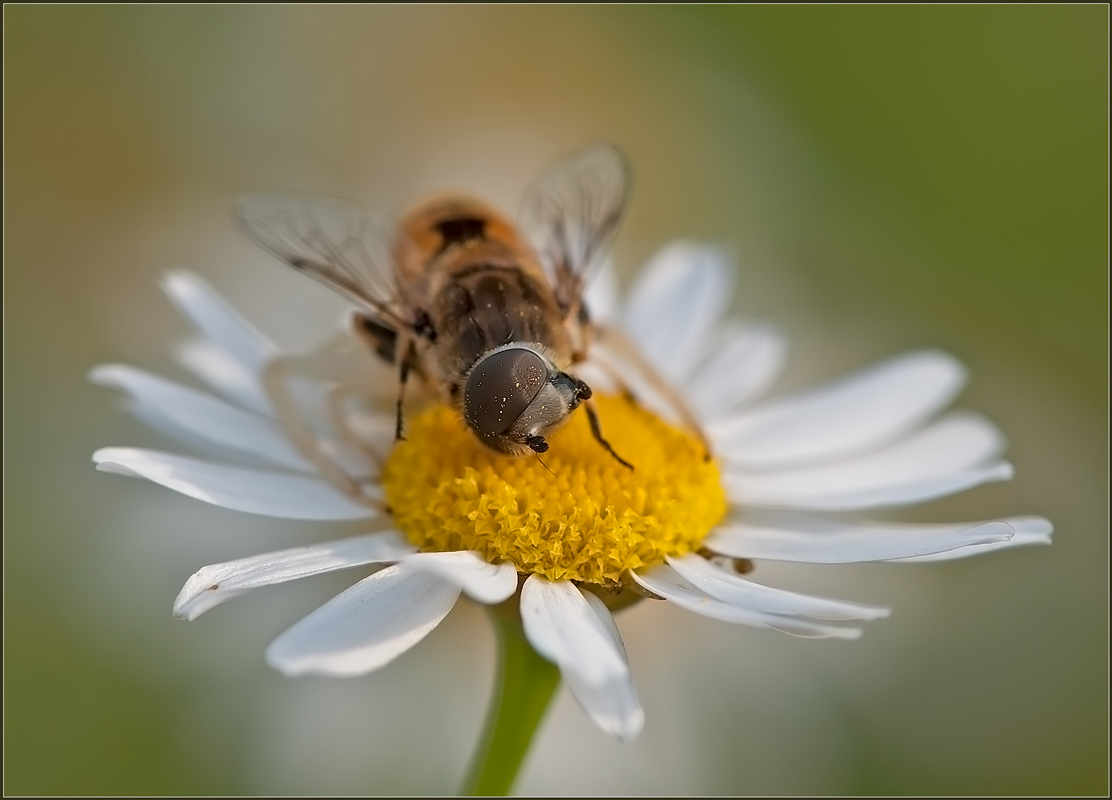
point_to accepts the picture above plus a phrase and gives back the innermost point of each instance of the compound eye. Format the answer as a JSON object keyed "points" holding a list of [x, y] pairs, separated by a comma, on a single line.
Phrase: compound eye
{"points": [[500, 388]]}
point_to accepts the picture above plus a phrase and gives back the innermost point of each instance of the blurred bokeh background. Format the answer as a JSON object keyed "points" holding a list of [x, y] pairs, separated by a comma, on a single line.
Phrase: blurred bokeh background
{"points": [[888, 178]]}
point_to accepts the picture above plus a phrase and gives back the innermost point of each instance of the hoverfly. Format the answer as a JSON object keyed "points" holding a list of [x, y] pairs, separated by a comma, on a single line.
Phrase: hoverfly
{"points": [[489, 318]]}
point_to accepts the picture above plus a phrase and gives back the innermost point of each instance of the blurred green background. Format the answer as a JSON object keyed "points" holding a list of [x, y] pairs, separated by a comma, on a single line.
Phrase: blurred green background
{"points": [[888, 178]]}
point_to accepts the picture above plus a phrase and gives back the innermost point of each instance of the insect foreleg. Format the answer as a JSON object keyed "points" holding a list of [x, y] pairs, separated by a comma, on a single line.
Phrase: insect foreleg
{"points": [[596, 431], [616, 341]]}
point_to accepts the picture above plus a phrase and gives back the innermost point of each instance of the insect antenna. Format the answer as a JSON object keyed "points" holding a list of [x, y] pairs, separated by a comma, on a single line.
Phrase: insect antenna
{"points": [[538, 455]]}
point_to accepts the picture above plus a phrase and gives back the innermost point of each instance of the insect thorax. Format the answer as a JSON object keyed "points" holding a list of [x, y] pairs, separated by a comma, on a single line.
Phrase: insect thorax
{"points": [[484, 306]]}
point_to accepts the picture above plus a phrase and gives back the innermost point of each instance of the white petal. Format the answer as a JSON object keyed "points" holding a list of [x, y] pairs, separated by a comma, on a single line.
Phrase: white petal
{"points": [[602, 294], [201, 419], [781, 536], [745, 361], [731, 588], [946, 457], [366, 626], [487, 583], [212, 585], [219, 322], [877, 496], [851, 415], [666, 582], [561, 626], [1028, 530], [613, 706], [676, 303], [271, 494], [224, 374]]}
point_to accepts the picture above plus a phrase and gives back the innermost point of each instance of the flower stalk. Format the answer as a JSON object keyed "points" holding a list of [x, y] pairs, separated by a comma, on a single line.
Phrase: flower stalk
{"points": [[523, 689]]}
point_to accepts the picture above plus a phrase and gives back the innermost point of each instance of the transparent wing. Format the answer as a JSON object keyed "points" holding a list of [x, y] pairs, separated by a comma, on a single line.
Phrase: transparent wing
{"points": [[571, 215], [344, 247]]}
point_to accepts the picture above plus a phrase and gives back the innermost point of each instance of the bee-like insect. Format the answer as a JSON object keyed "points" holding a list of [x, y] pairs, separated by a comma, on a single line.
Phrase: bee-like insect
{"points": [[491, 317]]}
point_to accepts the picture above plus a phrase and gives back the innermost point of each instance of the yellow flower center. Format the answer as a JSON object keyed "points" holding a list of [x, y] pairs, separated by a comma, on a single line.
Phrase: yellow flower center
{"points": [[580, 515]]}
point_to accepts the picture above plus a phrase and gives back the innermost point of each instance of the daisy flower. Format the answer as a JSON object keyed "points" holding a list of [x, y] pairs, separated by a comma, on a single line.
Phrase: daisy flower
{"points": [[560, 545]]}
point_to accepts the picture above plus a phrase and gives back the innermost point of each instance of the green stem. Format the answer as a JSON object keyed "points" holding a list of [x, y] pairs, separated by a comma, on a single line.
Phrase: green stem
{"points": [[522, 691]]}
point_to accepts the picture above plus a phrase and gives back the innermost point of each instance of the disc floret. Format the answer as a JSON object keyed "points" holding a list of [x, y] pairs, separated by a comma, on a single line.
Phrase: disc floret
{"points": [[580, 515]]}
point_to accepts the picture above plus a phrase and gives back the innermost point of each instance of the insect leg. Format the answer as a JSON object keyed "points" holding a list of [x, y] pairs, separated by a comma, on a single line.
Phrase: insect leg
{"points": [[596, 431], [405, 364], [616, 341]]}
